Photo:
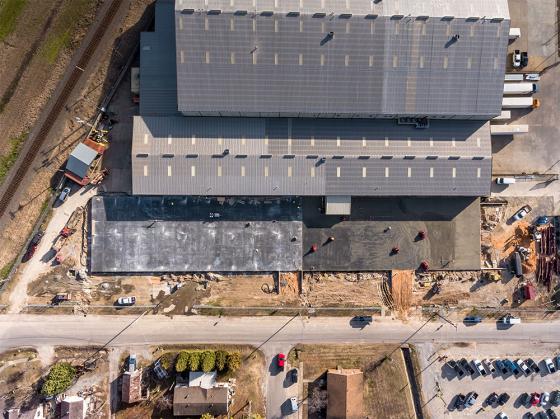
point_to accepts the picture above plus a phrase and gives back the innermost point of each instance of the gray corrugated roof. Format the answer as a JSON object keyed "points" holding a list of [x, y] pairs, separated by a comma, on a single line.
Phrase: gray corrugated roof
{"points": [[185, 156], [256, 65], [158, 71], [80, 159]]}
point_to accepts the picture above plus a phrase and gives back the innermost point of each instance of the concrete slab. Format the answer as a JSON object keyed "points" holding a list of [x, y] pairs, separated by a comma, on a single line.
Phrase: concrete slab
{"points": [[156, 234], [363, 241]]}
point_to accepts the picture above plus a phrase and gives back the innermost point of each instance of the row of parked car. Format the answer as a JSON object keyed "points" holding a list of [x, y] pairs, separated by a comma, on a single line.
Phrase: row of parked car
{"points": [[526, 400], [503, 366]]}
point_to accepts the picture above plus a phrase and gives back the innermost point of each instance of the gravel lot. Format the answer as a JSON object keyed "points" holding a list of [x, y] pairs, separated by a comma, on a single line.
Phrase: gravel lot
{"points": [[436, 374]]}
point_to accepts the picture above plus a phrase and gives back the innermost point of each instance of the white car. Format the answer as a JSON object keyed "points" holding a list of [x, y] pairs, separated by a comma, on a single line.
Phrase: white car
{"points": [[545, 398], [64, 194], [550, 365], [522, 213], [533, 77], [516, 58], [293, 403], [479, 367], [502, 415], [126, 301], [488, 363], [521, 364]]}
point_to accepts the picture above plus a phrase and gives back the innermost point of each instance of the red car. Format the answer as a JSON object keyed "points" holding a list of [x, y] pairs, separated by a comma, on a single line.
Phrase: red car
{"points": [[33, 244], [535, 399], [281, 360]]}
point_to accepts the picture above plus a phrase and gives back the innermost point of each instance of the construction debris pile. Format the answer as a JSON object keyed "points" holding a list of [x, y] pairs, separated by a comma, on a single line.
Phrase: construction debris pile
{"points": [[548, 262]]}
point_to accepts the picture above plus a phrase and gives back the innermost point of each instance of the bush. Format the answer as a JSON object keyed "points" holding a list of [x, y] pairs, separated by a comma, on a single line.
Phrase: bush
{"points": [[208, 361], [233, 361], [207, 416], [182, 361], [167, 360], [60, 377], [194, 361], [221, 360]]}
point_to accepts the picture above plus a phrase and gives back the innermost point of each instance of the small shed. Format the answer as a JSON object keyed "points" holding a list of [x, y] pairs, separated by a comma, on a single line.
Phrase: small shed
{"points": [[132, 386], [80, 160], [72, 407]]}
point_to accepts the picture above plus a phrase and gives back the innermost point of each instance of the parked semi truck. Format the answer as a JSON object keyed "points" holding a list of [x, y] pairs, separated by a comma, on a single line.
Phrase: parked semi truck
{"points": [[520, 102], [520, 88], [508, 129]]}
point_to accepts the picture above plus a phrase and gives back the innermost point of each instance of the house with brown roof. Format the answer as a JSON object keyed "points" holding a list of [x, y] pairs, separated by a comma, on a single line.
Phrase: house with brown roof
{"points": [[132, 386], [195, 401], [345, 389]]}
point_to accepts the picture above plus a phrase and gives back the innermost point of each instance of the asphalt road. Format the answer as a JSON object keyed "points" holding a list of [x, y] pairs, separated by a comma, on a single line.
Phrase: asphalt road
{"points": [[270, 334]]}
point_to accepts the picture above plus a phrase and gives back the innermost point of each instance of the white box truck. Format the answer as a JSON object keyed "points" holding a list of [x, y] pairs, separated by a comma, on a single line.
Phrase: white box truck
{"points": [[513, 77], [509, 129], [514, 33], [520, 88], [520, 102]]}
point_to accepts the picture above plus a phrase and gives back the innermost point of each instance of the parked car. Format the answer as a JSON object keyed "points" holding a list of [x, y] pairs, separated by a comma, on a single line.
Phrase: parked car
{"points": [[550, 365], [132, 362], [545, 398], [516, 59], [512, 367], [501, 366], [489, 365], [522, 213], [551, 414], [503, 399], [64, 194], [524, 59], [159, 371], [294, 375], [459, 401], [492, 399], [458, 370], [33, 244], [555, 398], [470, 398], [293, 404], [533, 365], [509, 319], [557, 359], [525, 399], [502, 415], [281, 360], [466, 366], [533, 77], [535, 399], [472, 319], [542, 220], [480, 368], [529, 415], [505, 180], [522, 366], [126, 301]]}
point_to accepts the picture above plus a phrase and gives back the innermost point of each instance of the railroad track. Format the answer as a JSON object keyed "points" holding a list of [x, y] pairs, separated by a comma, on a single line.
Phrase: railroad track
{"points": [[38, 141]]}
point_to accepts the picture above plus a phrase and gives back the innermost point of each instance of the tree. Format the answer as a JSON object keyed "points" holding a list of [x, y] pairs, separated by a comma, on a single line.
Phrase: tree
{"points": [[207, 416], [60, 377], [182, 362], [208, 361], [233, 361], [194, 361], [221, 360], [167, 360]]}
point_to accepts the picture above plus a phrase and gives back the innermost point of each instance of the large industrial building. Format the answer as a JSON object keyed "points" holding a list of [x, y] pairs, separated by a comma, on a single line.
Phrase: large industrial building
{"points": [[340, 101]]}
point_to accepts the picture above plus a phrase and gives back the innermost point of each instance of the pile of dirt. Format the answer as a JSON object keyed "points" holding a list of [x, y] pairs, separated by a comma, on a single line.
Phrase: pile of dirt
{"points": [[401, 289], [288, 283]]}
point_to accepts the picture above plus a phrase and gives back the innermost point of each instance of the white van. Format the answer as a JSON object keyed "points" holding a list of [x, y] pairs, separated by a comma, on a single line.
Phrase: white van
{"points": [[293, 401], [509, 319], [505, 181]]}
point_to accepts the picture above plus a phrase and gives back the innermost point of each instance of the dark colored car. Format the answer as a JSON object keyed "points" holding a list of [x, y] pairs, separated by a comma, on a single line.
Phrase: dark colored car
{"points": [[459, 401], [529, 415], [501, 366], [294, 375], [512, 367], [503, 399], [551, 414], [533, 365], [33, 244], [470, 398], [555, 398], [524, 59], [542, 220], [524, 399], [472, 319], [453, 365], [492, 399], [466, 366]]}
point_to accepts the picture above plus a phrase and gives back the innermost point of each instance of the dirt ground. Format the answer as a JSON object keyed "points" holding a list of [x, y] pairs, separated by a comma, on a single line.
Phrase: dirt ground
{"points": [[386, 392], [21, 370], [248, 381], [401, 289], [67, 132]]}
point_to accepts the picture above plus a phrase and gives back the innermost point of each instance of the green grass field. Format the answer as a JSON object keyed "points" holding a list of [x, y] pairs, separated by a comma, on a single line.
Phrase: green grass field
{"points": [[9, 12], [8, 160]]}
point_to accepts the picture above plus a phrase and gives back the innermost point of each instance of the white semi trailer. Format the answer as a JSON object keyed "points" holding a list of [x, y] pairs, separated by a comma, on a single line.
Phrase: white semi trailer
{"points": [[520, 88], [520, 102], [509, 129]]}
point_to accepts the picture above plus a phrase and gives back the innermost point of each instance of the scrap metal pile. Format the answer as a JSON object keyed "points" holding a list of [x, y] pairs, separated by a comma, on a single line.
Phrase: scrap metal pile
{"points": [[548, 262]]}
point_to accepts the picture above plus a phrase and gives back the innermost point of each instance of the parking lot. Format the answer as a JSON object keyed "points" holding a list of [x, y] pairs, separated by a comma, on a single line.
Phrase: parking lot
{"points": [[440, 384]]}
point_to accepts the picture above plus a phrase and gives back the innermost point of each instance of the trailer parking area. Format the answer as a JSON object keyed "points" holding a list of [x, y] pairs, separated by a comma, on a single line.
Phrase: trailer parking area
{"points": [[440, 385]]}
